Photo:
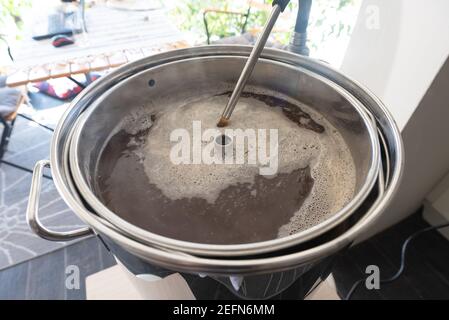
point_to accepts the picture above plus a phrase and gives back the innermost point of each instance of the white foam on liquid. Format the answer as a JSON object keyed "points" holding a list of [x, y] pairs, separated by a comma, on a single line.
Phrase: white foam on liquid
{"points": [[327, 154]]}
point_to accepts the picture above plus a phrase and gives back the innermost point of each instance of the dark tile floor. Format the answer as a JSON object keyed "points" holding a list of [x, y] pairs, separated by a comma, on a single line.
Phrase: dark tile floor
{"points": [[426, 275], [44, 277]]}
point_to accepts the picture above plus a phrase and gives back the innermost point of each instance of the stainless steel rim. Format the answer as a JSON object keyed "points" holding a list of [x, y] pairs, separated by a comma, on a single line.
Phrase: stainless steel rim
{"points": [[149, 238], [193, 264], [64, 184]]}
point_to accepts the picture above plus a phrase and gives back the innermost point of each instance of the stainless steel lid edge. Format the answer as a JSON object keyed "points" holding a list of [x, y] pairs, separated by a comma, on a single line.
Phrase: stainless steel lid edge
{"points": [[60, 174], [188, 263], [224, 250]]}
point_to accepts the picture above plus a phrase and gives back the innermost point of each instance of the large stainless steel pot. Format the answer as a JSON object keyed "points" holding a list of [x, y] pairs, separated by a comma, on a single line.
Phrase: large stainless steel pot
{"points": [[207, 75], [277, 261]]}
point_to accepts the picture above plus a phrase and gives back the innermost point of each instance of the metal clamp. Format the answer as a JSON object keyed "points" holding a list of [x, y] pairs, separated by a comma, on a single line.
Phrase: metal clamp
{"points": [[33, 208]]}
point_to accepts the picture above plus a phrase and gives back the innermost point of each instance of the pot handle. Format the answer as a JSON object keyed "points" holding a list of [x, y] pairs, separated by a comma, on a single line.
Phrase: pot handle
{"points": [[33, 208]]}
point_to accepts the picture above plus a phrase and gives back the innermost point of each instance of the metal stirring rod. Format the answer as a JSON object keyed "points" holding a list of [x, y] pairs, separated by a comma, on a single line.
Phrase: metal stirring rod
{"points": [[278, 7]]}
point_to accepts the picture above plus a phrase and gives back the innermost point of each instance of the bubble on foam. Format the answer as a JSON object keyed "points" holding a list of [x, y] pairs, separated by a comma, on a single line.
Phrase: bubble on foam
{"points": [[326, 154], [334, 181]]}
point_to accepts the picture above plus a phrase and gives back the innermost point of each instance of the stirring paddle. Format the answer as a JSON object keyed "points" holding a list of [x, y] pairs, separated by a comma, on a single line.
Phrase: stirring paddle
{"points": [[278, 7]]}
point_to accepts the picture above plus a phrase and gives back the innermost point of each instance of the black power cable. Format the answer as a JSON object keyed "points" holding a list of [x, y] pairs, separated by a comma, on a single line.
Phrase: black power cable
{"points": [[36, 122], [8, 48], [402, 267]]}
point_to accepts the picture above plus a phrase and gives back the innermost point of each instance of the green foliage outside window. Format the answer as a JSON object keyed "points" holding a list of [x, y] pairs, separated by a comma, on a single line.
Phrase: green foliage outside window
{"points": [[10, 15], [188, 15], [330, 25]]}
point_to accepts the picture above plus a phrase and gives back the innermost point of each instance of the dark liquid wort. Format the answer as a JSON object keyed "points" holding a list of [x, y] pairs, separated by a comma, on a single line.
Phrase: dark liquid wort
{"points": [[242, 213]]}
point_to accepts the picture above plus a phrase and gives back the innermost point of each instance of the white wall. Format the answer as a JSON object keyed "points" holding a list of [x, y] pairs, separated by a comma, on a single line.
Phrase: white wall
{"points": [[436, 206], [399, 61], [439, 197]]}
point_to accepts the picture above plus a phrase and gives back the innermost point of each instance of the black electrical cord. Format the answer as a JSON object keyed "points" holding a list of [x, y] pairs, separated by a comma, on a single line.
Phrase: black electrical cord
{"points": [[402, 266], [8, 48], [36, 122]]}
